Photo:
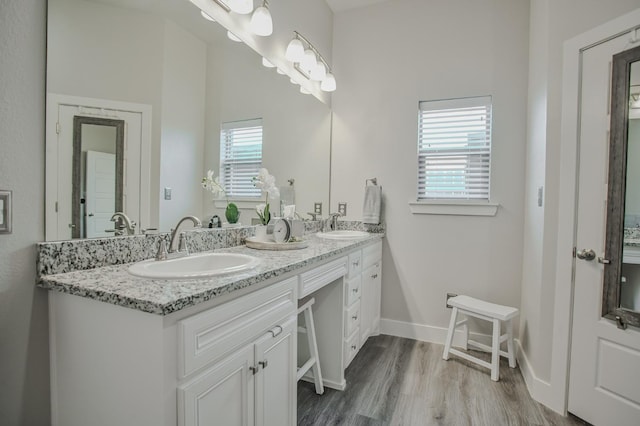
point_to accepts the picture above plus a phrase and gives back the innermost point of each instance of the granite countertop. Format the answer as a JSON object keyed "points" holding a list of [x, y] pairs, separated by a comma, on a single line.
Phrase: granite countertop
{"points": [[114, 284]]}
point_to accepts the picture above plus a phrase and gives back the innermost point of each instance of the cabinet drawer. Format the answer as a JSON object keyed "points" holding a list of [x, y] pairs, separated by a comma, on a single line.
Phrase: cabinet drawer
{"points": [[371, 254], [317, 278], [352, 319], [355, 263], [209, 335], [351, 347], [353, 289]]}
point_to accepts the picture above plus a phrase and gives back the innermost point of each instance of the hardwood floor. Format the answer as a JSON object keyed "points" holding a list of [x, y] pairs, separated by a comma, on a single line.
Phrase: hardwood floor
{"points": [[396, 381]]}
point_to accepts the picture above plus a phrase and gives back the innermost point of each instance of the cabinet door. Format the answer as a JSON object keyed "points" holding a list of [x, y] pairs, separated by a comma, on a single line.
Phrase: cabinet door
{"points": [[223, 395], [275, 355], [370, 302], [376, 291]]}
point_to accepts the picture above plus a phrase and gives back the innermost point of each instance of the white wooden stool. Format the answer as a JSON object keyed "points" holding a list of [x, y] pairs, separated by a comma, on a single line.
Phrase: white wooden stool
{"points": [[313, 362], [489, 312]]}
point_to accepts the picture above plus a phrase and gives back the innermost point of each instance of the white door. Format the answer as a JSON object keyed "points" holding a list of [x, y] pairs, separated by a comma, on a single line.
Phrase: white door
{"points": [[605, 361], [60, 164], [276, 379], [100, 197]]}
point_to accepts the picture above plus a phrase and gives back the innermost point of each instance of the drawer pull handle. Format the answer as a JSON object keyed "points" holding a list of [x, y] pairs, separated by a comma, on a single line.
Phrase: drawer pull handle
{"points": [[356, 263], [354, 347], [374, 276], [275, 331], [253, 369], [263, 364], [355, 317]]}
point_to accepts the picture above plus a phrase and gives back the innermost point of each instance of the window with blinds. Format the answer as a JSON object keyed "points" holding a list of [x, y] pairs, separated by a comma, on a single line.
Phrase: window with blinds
{"points": [[454, 149], [240, 157]]}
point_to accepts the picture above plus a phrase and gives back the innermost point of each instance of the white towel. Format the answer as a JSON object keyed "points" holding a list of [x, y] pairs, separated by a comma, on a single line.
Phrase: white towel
{"points": [[372, 203]]}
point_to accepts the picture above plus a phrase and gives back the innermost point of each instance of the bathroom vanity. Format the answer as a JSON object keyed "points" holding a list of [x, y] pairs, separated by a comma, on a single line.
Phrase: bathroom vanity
{"points": [[222, 350]]}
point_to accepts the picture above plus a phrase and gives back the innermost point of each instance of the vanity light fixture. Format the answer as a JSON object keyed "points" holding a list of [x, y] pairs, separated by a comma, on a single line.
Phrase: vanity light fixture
{"points": [[206, 16], [267, 63], [309, 62], [242, 7], [261, 21], [233, 37]]}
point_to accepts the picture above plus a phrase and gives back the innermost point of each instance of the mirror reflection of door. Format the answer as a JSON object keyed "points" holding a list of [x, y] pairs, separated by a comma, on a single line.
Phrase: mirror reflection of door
{"points": [[630, 279], [97, 186]]}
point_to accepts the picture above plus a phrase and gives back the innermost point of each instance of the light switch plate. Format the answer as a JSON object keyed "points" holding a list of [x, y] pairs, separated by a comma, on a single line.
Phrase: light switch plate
{"points": [[5, 212], [167, 193], [317, 208], [342, 208]]}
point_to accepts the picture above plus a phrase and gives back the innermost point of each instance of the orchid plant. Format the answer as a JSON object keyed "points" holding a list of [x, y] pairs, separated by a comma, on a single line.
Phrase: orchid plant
{"points": [[267, 183], [212, 185]]}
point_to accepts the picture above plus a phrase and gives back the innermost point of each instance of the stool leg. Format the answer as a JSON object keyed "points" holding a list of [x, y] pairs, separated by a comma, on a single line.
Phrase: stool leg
{"points": [[510, 350], [313, 349], [495, 351], [452, 329], [465, 331]]}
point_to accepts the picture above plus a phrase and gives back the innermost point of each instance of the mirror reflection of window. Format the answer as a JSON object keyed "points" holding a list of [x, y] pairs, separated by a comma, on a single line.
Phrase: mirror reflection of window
{"points": [[240, 157]]}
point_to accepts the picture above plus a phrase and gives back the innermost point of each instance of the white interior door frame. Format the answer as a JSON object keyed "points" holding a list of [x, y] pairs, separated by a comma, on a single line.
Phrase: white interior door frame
{"points": [[570, 145], [54, 101]]}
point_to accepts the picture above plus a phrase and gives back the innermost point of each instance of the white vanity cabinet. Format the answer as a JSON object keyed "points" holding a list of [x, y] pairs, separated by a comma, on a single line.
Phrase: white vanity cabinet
{"points": [[362, 298], [230, 363], [243, 375]]}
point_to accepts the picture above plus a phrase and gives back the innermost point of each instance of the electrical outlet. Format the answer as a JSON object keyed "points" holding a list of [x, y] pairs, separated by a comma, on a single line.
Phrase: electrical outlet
{"points": [[540, 195], [317, 208], [167, 193], [342, 208], [449, 296]]}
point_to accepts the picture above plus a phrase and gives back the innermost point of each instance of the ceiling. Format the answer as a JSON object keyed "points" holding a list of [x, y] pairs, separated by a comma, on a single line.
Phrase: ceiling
{"points": [[341, 5]]}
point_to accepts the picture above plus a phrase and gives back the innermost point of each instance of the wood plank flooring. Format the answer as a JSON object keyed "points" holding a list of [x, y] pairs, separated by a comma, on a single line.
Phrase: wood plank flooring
{"points": [[396, 381]]}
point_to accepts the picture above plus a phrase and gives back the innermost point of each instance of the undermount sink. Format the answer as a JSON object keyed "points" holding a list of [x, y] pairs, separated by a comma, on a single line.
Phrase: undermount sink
{"points": [[194, 266], [342, 235]]}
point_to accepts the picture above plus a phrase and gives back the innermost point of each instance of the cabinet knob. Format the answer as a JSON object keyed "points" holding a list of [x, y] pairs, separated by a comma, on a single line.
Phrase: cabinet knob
{"points": [[355, 290], [355, 317], [374, 276], [263, 364], [354, 347], [254, 370]]}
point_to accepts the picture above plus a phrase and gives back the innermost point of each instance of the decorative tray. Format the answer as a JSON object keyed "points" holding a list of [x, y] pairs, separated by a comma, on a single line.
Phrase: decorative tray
{"points": [[255, 243]]}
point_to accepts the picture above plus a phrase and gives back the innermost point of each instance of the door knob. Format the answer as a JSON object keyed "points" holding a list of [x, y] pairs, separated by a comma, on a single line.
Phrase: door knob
{"points": [[586, 254]]}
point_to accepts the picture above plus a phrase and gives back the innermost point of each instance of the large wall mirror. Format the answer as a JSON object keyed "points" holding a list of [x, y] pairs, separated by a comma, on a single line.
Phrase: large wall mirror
{"points": [[621, 296], [174, 80]]}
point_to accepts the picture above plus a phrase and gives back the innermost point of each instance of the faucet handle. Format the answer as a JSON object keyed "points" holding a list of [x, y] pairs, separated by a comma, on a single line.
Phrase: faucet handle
{"points": [[182, 244], [162, 250]]}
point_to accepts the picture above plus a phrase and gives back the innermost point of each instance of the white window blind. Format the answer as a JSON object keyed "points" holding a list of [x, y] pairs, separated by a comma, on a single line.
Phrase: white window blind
{"points": [[240, 157], [454, 149]]}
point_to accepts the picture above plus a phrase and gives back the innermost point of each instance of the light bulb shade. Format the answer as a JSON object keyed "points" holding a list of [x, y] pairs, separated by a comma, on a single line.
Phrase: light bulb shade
{"points": [[308, 61], [304, 90], [279, 71], [292, 81], [232, 36], [206, 16], [267, 63], [295, 51], [261, 22], [319, 72], [329, 83], [240, 6]]}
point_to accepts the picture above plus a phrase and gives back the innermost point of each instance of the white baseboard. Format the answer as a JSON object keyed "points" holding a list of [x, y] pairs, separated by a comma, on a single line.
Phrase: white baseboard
{"points": [[426, 333], [538, 389]]}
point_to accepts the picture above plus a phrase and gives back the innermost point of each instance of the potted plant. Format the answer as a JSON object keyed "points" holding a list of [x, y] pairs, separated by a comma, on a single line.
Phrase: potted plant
{"points": [[267, 183], [213, 185]]}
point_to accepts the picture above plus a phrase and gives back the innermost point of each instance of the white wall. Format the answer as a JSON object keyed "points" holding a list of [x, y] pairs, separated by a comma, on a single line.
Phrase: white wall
{"points": [[552, 23], [387, 58], [24, 348], [183, 119]]}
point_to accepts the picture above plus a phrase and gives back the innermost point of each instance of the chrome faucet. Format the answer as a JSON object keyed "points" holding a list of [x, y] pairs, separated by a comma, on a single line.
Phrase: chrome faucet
{"points": [[331, 224], [127, 224], [182, 245]]}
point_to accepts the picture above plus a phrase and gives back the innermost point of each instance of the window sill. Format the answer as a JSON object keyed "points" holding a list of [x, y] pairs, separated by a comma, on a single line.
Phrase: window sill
{"points": [[454, 208], [242, 203]]}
